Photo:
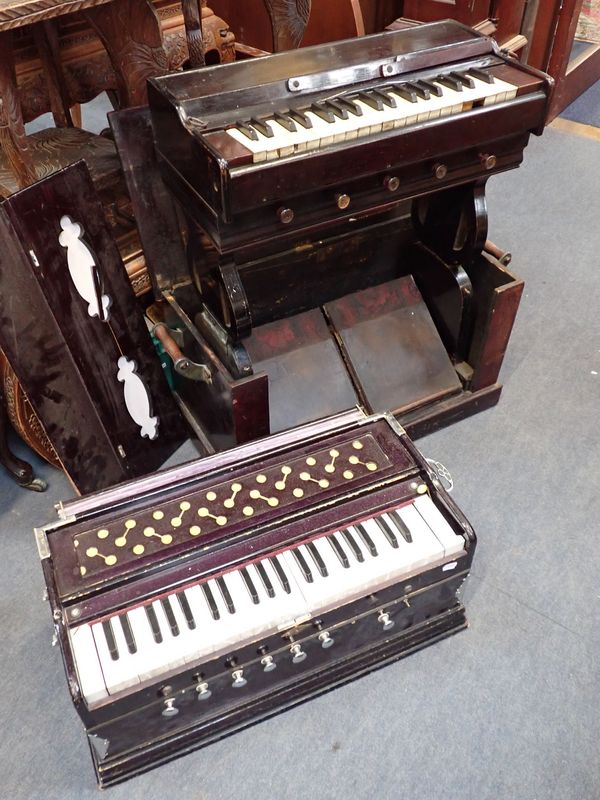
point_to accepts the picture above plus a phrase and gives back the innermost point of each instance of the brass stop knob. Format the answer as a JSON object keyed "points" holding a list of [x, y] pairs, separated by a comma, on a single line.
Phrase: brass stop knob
{"points": [[286, 215], [342, 201], [488, 161]]}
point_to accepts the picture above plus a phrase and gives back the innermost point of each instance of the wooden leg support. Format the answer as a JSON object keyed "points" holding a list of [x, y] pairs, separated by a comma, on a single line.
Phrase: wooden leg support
{"points": [[19, 470]]}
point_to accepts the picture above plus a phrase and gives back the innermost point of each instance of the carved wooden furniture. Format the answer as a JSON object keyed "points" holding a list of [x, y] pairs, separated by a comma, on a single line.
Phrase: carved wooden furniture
{"points": [[198, 601], [72, 54], [276, 25], [131, 38]]}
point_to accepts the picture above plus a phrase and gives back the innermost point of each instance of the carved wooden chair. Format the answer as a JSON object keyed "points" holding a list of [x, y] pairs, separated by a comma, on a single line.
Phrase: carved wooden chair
{"points": [[56, 65]]}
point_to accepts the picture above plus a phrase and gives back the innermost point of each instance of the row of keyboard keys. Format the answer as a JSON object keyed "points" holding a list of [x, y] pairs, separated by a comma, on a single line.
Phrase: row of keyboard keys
{"points": [[367, 112], [191, 624]]}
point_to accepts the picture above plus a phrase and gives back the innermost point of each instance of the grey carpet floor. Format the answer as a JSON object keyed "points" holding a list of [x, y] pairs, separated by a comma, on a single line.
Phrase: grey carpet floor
{"points": [[507, 710]]}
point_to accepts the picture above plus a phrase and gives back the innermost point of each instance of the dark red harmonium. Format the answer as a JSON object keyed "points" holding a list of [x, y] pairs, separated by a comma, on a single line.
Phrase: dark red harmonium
{"points": [[206, 597]]}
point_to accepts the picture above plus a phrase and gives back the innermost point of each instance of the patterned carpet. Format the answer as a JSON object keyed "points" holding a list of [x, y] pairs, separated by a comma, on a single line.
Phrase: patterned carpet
{"points": [[588, 27]]}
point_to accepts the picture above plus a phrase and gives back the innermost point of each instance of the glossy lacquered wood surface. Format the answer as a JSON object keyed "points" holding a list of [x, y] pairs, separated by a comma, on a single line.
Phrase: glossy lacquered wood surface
{"points": [[65, 359]]}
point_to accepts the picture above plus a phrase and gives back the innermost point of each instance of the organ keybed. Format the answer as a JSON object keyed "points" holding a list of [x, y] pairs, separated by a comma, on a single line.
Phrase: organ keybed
{"points": [[201, 599]]}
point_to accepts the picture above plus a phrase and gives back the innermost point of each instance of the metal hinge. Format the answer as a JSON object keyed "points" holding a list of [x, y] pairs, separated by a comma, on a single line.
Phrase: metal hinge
{"points": [[41, 539]]}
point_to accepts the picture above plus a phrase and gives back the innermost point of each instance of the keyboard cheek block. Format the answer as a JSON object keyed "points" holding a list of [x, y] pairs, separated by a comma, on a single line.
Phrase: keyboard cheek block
{"points": [[215, 630]]}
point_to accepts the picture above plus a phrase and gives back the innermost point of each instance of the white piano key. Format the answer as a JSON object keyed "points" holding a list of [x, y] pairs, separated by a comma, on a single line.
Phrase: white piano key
{"points": [[425, 547], [118, 674], [170, 644], [321, 131], [284, 608], [186, 640], [256, 147], [207, 628], [150, 661], [87, 664], [225, 629], [287, 142], [453, 543]]}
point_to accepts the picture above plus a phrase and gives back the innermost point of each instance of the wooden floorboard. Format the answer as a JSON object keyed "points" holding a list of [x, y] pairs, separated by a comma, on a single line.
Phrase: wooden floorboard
{"points": [[577, 128]]}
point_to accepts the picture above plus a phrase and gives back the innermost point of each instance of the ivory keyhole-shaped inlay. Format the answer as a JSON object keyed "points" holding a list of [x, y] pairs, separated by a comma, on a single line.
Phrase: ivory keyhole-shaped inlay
{"points": [[137, 398], [83, 269]]}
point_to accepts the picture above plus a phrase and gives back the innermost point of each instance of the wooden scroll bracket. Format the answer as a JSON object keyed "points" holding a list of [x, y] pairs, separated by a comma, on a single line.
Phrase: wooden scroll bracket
{"points": [[454, 222], [453, 225]]}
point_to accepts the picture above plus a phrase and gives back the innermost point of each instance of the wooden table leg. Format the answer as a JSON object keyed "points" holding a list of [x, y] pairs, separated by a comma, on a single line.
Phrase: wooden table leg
{"points": [[131, 33], [13, 141], [19, 470]]}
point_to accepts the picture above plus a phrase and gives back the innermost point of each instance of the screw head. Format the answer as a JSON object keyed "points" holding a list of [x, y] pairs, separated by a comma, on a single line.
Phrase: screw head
{"points": [[391, 183], [440, 171], [488, 161]]}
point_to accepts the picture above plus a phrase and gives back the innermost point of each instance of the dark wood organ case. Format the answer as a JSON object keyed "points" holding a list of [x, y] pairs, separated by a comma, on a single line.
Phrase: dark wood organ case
{"points": [[204, 598], [316, 224]]}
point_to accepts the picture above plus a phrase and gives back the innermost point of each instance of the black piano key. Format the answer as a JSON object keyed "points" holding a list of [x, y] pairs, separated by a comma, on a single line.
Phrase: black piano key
{"points": [[299, 117], [225, 593], [250, 585], [281, 574], [153, 620], [338, 551], [368, 542], [261, 126], [404, 91], [481, 74], [210, 600], [336, 108], [304, 568], [353, 545], [371, 100], [402, 526], [386, 98], [434, 88], [166, 604], [186, 610], [316, 557], [450, 82], [349, 105], [285, 122], [128, 633], [419, 89], [324, 113], [265, 579], [387, 531], [110, 639], [247, 131], [465, 79]]}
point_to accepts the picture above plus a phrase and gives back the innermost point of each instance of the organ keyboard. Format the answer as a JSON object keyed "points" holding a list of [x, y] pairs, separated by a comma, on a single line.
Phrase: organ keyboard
{"points": [[197, 600], [304, 127]]}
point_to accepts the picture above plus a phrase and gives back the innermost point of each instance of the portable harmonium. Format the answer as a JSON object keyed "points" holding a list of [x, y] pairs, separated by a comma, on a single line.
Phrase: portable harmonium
{"points": [[198, 600]]}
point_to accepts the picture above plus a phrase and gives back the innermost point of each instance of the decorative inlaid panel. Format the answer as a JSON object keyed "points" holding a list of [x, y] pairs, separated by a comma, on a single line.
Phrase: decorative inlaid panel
{"points": [[228, 503]]}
